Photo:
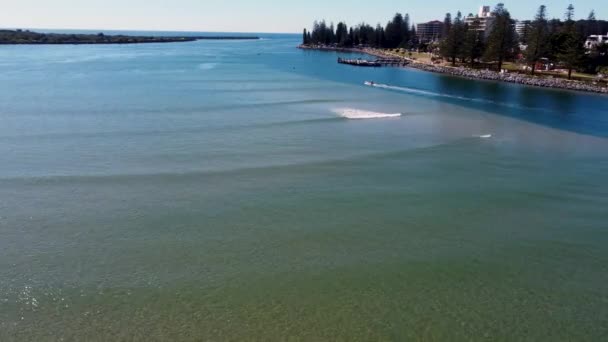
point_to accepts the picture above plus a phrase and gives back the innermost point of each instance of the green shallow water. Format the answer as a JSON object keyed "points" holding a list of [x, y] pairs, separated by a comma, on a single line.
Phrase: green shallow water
{"points": [[208, 217]]}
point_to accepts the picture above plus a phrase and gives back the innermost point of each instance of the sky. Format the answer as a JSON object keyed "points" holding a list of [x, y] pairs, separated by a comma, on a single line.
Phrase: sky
{"points": [[251, 15]]}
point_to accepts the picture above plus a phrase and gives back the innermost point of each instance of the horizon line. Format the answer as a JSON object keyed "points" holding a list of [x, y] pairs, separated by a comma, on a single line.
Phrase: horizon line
{"points": [[140, 30]]}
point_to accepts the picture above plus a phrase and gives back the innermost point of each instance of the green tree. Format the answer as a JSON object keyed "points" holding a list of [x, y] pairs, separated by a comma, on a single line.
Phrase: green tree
{"points": [[405, 32], [537, 39], [394, 31], [572, 50], [591, 26], [447, 25], [341, 34], [451, 46], [570, 15], [501, 43], [473, 45], [380, 36]]}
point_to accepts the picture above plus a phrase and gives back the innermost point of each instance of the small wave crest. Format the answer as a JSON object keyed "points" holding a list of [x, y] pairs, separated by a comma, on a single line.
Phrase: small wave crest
{"points": [[351, 113], [207, 66]]}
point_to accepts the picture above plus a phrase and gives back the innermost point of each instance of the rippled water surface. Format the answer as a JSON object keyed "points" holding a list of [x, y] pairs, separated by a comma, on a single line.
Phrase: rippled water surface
{"points": [[248, 190]]}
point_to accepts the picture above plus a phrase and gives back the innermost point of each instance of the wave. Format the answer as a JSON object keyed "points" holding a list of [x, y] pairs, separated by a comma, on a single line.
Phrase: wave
{"points": [[207, 66], [156, 133], [263, 169], [102, 56], [356, 114]]}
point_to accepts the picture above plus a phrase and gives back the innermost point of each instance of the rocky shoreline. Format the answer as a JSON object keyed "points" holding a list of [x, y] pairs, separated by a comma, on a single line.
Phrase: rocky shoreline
{"points": [[556, 83]]}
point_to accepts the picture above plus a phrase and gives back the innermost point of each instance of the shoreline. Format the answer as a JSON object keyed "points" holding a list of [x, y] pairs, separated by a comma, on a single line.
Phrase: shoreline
{"points": [[474, 74], [159, 41], [19, 37]]}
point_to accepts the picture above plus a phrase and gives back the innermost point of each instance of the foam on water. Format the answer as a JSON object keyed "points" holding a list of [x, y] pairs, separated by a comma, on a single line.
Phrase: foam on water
{"points": [[351, 113]]}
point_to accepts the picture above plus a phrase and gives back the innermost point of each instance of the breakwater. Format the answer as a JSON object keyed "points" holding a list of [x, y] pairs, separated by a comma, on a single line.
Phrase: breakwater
{"points": [[513, 78]]}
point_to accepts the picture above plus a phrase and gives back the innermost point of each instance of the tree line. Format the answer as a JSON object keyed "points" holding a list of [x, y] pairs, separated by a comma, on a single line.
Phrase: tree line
{"points": [[398, 33], [551, 41], [16, 37], [548, 40]]}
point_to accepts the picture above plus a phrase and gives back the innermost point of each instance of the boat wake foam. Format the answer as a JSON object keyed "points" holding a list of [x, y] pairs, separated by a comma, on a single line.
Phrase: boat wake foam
{"points": [[417, 91], [357, 114], [449, 96], [485, 136]]}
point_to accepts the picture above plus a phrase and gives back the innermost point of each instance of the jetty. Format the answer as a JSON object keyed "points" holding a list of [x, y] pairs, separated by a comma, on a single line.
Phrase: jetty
{"points": [[374, 63]]}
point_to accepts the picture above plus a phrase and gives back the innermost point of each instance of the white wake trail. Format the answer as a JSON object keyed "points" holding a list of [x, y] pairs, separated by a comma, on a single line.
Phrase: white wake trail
{"points": [[358, 114]]}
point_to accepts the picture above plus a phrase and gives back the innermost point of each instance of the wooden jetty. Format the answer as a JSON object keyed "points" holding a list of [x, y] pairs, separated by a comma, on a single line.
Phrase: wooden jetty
{"points": [[359, 62], [374, 63]]}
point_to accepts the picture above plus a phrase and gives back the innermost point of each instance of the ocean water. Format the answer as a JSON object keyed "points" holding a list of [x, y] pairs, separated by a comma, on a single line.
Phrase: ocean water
{"points": [[248, 190]]}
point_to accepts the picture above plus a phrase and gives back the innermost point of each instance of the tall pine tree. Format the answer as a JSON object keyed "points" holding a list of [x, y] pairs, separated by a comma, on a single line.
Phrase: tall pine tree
{"points": [[572, 50], [394, 32], [451, 46], [447, 25], [473, 45], [501, 43], [537, 39], [405, 29]]}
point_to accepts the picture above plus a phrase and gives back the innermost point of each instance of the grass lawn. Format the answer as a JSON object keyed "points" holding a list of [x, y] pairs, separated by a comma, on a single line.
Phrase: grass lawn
{"points": [[513, 67], [424, 57], [421, 56]]}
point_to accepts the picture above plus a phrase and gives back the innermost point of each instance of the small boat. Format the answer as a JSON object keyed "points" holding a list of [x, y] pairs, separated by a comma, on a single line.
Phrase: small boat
{"points": [[369, 83]]}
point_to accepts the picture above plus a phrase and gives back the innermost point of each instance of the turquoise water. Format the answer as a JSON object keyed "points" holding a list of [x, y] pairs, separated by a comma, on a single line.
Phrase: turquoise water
{"points": [[215, 191]]}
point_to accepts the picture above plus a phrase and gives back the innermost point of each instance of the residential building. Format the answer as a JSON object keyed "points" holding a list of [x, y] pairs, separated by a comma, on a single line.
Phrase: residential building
{"points": [[429, 32], [484, 11], [522, 27], [595, 40], [483, 21]]}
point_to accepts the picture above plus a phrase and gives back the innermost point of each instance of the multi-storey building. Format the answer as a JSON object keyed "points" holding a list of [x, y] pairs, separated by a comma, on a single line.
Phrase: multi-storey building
{"points": [[429, 32], [522, 27], [595, 40], [483, 21]]}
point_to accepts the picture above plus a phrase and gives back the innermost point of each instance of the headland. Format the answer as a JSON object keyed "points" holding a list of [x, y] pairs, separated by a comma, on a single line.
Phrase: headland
{"points": [[25, 37]]}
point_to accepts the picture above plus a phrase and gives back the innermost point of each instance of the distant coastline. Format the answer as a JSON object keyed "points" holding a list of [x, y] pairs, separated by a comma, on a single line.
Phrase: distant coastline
{"points": [[21, 37], [556, 83]]}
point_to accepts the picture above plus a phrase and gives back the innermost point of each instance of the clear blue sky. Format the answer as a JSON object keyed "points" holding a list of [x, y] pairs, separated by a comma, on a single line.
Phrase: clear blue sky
{"points": [[250, 15]]}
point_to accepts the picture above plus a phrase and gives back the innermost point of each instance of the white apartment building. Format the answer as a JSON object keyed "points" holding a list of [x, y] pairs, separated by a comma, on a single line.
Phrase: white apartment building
{"points": [[595, 40]]}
